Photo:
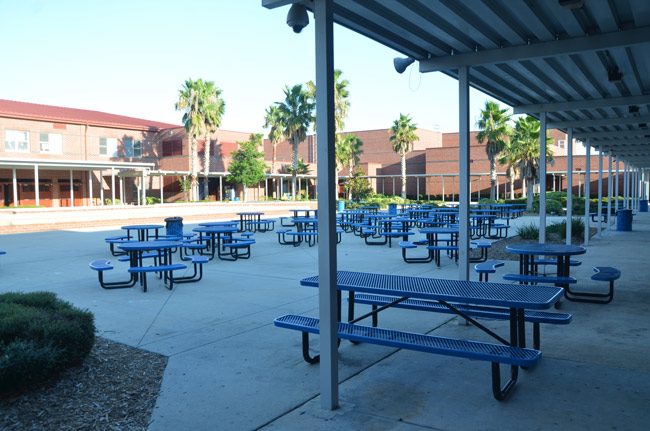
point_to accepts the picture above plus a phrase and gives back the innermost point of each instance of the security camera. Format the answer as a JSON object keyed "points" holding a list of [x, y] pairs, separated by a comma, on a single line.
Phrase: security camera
{"points": [[297, 17]]}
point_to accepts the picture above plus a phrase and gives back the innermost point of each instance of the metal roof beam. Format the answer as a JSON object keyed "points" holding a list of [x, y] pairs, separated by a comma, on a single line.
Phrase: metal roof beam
{"points": [[600, 122], [537, 50], [618, 141], [616, 134], [582, 104], [272, 4]]}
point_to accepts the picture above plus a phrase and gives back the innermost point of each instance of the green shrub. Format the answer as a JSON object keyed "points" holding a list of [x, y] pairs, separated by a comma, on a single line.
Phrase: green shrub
{"points": [[109, 201], [528, 231], [559, 228], [152, 200], [40, 335]]}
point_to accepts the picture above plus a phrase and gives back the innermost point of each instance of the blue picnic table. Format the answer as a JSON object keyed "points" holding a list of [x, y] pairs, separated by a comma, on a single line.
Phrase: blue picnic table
{"points": [[516, 298]]}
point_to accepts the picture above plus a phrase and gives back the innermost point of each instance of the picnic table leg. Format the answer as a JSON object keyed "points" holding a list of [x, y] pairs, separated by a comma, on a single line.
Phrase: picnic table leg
{"points": [[501, 392]]}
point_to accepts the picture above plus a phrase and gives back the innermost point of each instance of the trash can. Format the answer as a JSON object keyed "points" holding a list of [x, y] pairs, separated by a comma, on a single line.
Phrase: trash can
{"points": [[340, 205], [643, 206], [624, 220], [174, 226], [392, 209]]}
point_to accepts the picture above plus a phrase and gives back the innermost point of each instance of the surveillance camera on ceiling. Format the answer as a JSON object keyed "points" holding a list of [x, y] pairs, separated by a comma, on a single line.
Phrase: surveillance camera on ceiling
{"points": [[297, 17]]}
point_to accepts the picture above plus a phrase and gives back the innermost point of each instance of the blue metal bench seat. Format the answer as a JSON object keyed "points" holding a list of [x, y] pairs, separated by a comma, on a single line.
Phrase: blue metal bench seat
{"points": [[452, 251], [490, 352], [603, 273], [197, 263], [236, 248], [487, 267], [534, 317], [113, 240], [101, 265], [167, 270], [539, 279]]}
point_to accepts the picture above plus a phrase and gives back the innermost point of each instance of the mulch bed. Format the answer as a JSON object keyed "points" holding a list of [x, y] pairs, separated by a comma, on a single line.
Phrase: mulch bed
{"points": [[114, 389]]}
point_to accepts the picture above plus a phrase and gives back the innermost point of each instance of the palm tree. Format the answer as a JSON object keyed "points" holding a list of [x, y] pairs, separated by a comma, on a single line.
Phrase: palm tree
{"points": [[341, 108], [403, 137], [213, 108], [341, 99], [508, 157], [496, 131], [348, 151], [189, 101], [527, 153], [273, 120], [297, 115]]}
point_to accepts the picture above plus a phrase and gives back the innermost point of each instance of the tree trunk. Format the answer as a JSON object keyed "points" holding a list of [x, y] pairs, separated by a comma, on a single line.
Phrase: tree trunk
{"points": [[493, 178], [512, 187], [294, 165], [245, 187], [206, 167], [529, 194], [350, 168], [403, 176], [193, 170]]}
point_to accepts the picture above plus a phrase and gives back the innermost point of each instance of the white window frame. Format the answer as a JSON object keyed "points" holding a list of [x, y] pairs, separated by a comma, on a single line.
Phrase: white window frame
{"points": [[52, 144], [109, 147], [14, 144], [137, 149]]}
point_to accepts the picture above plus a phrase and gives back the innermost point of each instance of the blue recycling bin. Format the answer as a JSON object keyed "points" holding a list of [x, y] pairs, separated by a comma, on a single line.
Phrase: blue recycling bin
{"points": [[624, 220], [340, 206], [643, 206], [174, 226], [392, 209]]}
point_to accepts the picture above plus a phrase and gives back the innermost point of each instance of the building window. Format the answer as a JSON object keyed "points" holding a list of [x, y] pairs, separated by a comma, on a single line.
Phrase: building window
{"points": [[132, 148], [108, 147], [561, 143], [16, 141], [172, 148], [51, 143]]}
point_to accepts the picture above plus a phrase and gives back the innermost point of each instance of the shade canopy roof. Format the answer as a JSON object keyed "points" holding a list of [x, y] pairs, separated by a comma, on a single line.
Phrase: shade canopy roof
{"points": [[586, 63]]}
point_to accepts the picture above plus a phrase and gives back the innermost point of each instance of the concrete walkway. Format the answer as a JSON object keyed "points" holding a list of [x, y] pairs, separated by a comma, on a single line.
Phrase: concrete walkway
{"points": [[231, 369]]}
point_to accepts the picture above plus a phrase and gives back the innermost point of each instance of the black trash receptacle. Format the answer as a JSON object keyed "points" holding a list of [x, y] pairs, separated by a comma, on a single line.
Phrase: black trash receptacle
{"points": [[624, 220], [643, 206], [174, 226]]}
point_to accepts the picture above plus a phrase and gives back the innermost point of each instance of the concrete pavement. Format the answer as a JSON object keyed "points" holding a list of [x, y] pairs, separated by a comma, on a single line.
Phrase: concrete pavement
{"points": [[230, 368]]}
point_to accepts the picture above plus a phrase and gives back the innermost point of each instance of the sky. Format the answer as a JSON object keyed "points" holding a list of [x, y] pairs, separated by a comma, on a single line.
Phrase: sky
{"points": [[132, 57]]}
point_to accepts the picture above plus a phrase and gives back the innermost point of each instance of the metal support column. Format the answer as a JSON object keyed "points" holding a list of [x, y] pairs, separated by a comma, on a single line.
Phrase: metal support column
{"points": [[542, 177], [587, 191], [464, 173], [443, 188], [37, 194], [324, 34], [71, 189], [101, 188], [609, 191], [569, 185], [144, 188], [122, 201], [161, 180], [90, 188], [113, 185], [599, 226], [616, 184], [15, 187], [625, 184]]}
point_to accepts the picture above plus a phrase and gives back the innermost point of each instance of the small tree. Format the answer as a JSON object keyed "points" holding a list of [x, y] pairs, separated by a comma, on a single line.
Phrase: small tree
{"points": [[402, 139], [358, 186], [247, 167]]}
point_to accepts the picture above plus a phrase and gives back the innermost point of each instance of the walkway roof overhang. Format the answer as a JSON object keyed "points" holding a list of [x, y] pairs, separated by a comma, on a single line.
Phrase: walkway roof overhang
{"points": [[73, 164], [586, 63]]}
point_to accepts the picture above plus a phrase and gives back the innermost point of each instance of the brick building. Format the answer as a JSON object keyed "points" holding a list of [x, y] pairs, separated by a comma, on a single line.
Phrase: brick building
{"points": [[80, 157]]}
